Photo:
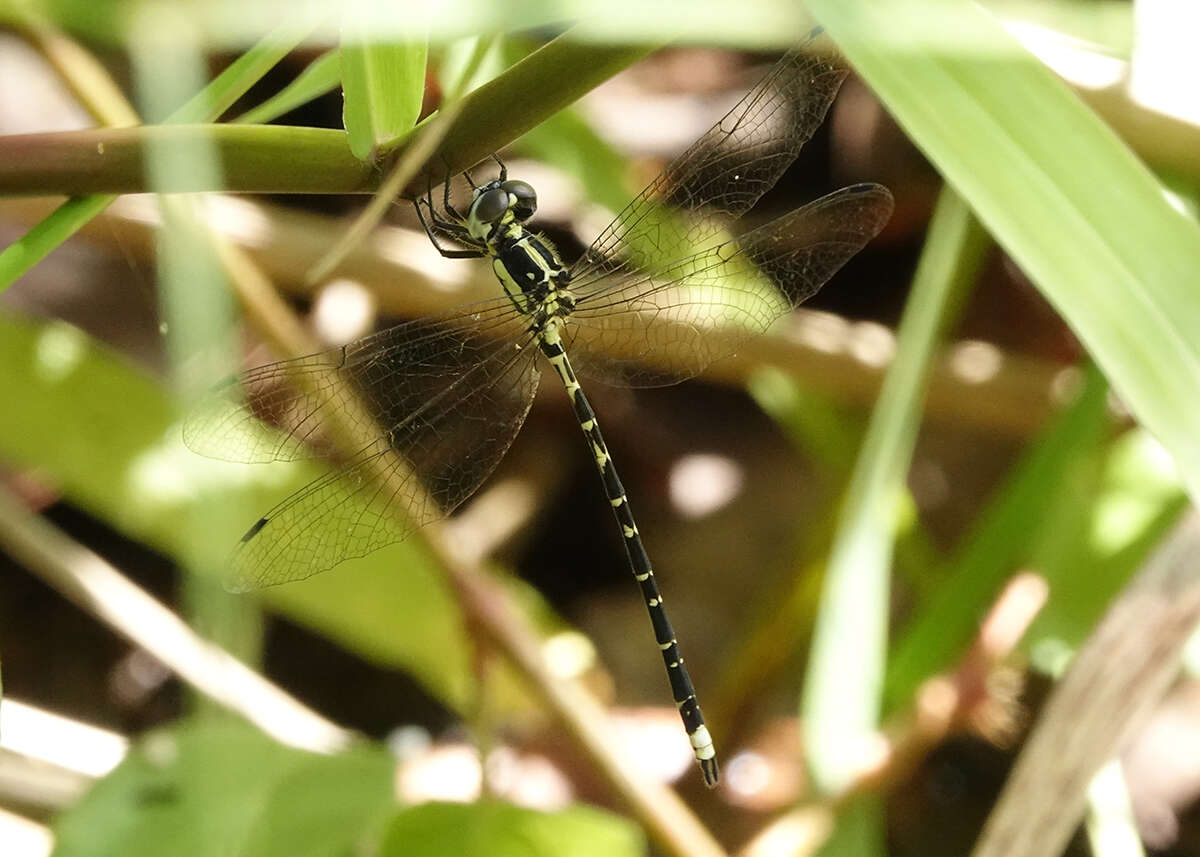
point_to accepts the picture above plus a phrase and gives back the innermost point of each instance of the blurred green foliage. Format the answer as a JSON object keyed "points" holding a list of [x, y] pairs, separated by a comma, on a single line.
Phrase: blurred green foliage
{"points": [[216, 786], [1083, 507], [495, 829], [128, 466]]}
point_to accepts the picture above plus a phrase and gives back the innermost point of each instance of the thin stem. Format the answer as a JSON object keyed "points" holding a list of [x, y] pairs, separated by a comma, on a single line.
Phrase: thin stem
{"points": [[254, 158], [101, 590]]}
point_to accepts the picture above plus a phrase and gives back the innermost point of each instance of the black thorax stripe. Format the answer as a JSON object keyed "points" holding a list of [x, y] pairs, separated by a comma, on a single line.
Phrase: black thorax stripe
{"points": [[526, 268]]}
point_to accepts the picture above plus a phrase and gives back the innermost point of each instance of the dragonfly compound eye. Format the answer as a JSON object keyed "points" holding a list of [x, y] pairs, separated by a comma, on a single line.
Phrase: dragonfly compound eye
{"points": [[490, 206], [526, 198]]}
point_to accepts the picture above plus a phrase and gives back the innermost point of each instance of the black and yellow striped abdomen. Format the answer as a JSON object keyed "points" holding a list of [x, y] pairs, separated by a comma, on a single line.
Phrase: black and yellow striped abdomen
{"points": [[681, 683]]}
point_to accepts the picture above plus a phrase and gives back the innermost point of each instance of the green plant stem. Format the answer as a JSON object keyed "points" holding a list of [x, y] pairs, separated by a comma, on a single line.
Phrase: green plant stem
{"points": [[994, 546], [254, 158], [281, 159]]}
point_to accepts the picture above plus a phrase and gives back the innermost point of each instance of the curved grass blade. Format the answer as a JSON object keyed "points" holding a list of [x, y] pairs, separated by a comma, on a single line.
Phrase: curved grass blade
{"points": [[991, 550], [1069, 202], [319, 76], [842, 690]]}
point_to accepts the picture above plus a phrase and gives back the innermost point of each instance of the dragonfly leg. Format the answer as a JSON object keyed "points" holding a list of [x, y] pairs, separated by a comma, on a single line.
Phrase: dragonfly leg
{"points": [[455, 231], [447, 205]]}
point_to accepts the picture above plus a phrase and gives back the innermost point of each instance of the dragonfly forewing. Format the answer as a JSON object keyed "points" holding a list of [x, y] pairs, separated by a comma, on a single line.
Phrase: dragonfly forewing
{"points": [[415, 418], [693, 202]]}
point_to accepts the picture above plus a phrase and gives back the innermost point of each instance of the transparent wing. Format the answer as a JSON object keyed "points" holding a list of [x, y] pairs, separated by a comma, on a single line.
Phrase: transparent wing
{"points": [[666, 326], [305, 398], [431, 406], [720, 176]]}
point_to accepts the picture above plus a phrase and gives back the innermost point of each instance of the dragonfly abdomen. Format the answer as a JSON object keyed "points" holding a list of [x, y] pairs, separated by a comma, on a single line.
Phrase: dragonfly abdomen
{"points": [[682, 689]]}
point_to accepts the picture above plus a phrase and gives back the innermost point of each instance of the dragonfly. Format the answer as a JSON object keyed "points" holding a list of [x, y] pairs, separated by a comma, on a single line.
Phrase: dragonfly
{"points": [[434, 403]]}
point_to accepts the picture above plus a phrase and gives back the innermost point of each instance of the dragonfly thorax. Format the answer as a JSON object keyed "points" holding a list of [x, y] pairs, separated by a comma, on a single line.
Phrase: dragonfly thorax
{"points": [[532, 275], [528, 267]]}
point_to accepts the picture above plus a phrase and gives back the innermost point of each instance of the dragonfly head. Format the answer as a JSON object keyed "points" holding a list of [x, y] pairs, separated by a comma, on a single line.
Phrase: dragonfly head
{"points": [[498, 202]]}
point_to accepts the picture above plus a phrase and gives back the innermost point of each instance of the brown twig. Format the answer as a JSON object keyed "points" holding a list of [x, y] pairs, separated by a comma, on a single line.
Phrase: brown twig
{"points": [[92, 584], [410, 280], [944, 705]]}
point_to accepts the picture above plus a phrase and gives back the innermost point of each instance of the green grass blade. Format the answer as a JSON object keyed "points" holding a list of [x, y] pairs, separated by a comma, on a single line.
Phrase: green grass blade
{"points": [[1133, 499], [383, 82], [842, 689], [213, 100], [489, 55], [1070, 203], [989, 554], [32, 247], [319, 76]]}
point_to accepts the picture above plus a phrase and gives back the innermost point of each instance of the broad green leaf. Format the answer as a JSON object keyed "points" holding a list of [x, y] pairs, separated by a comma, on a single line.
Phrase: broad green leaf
{"points": [[383, 80], [493, 829], [218, 787], [326, 805], [843, 685], [1069, 202], [319, 76]]}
